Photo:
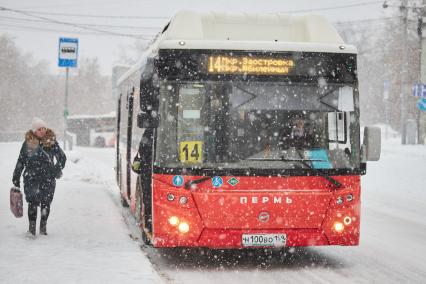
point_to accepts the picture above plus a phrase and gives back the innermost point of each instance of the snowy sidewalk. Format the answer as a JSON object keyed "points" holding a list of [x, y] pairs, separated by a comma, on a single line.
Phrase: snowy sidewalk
{"points": [[88, 240]]}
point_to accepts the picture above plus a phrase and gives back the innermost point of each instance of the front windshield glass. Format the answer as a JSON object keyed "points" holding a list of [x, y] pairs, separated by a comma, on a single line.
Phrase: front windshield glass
{"points": [[257, 125]]}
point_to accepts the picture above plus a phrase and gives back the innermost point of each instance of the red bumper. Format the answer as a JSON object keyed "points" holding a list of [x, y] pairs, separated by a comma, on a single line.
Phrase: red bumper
{"points": [[308, 213]]}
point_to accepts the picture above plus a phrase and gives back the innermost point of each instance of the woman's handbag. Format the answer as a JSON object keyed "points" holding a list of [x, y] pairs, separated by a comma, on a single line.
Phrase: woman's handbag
{"points": [[16, 204]]}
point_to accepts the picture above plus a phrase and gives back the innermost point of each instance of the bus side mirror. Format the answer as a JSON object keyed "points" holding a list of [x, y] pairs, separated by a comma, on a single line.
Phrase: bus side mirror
{"points": [[148, 120], [371, 147]]}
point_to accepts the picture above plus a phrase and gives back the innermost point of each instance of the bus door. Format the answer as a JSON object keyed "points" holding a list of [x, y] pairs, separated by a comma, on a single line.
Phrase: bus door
{"points": [[117, 139], [148, 105], [124, 146]]}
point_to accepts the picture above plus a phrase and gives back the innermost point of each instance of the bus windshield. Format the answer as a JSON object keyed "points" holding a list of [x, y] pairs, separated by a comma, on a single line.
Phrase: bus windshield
{"points": [[260, 125]]}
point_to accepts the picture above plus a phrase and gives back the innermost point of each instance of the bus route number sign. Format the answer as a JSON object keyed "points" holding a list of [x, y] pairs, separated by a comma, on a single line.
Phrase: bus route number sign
{"points": [[191, 151], [249, 65]]}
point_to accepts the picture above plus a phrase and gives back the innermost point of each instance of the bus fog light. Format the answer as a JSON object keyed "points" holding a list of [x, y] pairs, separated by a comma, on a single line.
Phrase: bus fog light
{"points": [[173, 221], [349, 197], [338, 227], [170, 197], [347, 220], [183, 200], [183, 227], [339, 200]]}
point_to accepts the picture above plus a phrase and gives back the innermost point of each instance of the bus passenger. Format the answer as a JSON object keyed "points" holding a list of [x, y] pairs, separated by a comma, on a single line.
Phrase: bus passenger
{"points": [[42, 160], [298, 134]]}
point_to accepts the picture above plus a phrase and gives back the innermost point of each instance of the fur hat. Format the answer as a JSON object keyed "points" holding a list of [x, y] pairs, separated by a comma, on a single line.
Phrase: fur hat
{"points": [[37, 123]]}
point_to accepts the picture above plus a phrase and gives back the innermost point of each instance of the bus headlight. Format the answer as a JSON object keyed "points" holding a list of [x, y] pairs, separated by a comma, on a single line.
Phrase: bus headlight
{"points": [[338, 227], [174, 221], [183, 227]]}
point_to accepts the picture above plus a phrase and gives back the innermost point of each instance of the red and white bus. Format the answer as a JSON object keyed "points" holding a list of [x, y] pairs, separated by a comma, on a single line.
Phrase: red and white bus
{"points": [[248, 132]]}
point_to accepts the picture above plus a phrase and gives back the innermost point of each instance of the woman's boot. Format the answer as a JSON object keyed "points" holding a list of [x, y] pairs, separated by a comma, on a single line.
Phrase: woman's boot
{"points": [[43, 230], [44, 210], [31, 230]]}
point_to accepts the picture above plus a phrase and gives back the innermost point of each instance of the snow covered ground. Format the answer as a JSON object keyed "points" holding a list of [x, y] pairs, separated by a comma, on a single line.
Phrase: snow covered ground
{"points": [[89, 242]]}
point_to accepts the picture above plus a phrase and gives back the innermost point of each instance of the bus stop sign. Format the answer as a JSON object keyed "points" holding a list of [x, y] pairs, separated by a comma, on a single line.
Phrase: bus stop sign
{"points": [[68, 52]]}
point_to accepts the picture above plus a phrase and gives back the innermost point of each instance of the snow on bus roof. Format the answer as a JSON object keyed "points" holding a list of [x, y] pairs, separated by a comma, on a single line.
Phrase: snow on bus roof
{"points": [[252, 31], [96, 116]]}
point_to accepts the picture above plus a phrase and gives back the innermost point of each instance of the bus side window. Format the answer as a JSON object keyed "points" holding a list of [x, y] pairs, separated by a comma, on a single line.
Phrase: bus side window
{"points": [[129, 107], [123, 119], [118, 119]]}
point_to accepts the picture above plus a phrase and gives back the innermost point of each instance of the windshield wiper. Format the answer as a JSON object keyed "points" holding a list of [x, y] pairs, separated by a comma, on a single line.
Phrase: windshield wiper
{"points": [[305, 163], [282, 159], [319, 172], [190, 183]]}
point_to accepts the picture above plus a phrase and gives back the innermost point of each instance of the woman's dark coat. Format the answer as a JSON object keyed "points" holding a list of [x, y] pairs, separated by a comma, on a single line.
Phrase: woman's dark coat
{"points": [[42, 160]]}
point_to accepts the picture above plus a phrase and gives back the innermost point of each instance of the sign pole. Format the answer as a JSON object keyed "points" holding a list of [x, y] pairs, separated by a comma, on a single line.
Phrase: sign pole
{"points": [[422, 117], [67, 57], [66, 108]]}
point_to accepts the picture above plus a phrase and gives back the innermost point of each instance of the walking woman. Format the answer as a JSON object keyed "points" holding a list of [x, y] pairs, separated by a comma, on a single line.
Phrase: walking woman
{"points": [[42, 160]]}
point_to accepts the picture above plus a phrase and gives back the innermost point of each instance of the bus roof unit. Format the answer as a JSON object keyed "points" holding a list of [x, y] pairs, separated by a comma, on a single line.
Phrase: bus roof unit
{"points": [[284, 32]]}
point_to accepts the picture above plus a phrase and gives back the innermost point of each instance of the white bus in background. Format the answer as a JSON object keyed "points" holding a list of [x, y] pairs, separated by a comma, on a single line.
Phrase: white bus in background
{"points": [[93, 130]]}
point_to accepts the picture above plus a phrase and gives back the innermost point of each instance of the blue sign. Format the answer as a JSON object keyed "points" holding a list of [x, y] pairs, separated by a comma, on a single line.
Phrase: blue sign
{"points": [[421, 104], [178, 180], [217, 181], [68, 52], [419, 90]]}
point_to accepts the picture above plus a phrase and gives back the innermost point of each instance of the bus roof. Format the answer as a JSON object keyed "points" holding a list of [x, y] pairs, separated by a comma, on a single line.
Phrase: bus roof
{"points": [[253, 32], [275, 32], [92, 116]]}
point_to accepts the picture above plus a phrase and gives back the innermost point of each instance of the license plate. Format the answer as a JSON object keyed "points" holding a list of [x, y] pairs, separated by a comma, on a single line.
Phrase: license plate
{"points": [[264, 240]]}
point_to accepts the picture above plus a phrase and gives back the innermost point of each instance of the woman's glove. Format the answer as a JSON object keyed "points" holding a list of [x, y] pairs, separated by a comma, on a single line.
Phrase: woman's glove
{"points": [[17, 183]]}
